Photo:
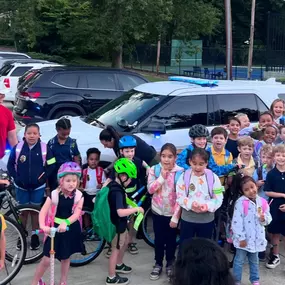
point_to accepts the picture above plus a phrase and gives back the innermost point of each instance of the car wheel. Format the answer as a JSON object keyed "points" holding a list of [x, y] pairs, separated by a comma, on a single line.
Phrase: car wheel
{"points": [[63, 113]]}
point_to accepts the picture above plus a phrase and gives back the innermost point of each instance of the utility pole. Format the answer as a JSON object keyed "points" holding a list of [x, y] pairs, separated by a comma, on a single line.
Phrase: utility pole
{"points": [[251, 40], [158, 54], [229, 39]]}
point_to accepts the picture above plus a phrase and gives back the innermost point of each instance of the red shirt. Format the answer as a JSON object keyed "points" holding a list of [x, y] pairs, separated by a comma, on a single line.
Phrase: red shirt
{"points": [[6, 125]]}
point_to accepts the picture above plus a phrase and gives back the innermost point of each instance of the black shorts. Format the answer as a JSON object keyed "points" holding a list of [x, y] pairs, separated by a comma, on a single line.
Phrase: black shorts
{"points": [[88, 201], [277, 227]]}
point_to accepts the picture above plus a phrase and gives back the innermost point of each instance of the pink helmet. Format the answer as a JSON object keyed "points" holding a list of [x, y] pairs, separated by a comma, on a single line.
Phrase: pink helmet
{"points": [[69, 168]]}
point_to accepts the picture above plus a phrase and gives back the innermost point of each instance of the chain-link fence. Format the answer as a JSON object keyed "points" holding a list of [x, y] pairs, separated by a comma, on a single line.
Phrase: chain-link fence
{"points": [[206, 62]]}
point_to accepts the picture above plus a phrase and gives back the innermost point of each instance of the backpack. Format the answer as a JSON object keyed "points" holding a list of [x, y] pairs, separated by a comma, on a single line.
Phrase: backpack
{"points": [[19, 148], [245, 204], [157, 171], [72, 144], [99, 175], [54, 199], [209, 177], [101, 215]]}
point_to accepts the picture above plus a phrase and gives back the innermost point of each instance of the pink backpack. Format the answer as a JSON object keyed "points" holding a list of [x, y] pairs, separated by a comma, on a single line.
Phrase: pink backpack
{"points": [[209, 177], [245, 204], [19, 148], [54, 199]]}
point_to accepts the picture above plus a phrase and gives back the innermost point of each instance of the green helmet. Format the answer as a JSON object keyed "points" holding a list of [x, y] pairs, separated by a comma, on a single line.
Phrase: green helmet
{"points": [[124, 165]]}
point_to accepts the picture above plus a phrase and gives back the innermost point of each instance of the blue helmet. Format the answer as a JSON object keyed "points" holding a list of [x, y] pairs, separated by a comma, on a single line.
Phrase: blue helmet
{"points": [[127, 141]]}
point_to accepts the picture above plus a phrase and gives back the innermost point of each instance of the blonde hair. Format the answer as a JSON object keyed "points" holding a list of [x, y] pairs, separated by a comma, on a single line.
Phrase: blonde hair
{"points": [[276, 101], [279, 148], [266, 149], [245, 141], [239, 115]]}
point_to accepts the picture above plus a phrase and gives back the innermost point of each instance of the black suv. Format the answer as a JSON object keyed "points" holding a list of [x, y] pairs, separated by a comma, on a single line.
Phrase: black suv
{"points": [[53, 92]]}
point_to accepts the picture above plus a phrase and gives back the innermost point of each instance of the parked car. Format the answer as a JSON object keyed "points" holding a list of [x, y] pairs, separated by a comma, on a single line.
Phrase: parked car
{"points": [[51, 93], [4, 55], [163, 112], [11, 71]]}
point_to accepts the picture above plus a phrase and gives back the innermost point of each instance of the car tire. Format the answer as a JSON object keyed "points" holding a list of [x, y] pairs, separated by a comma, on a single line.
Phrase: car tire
{"points": [[60, 114]]}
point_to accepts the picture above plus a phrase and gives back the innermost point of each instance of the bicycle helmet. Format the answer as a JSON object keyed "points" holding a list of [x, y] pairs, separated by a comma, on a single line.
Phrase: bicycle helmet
{"points": [[69, 168], [127, 141], [125, 166], [198, 131]]}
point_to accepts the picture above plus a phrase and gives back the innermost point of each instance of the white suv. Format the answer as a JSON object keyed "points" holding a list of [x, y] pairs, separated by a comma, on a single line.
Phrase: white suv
{"points": [[12, 71], [163, 112]]}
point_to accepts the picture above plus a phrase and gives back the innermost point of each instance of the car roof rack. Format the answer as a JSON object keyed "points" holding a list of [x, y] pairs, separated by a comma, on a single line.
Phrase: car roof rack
{"points": [[200, 82]]}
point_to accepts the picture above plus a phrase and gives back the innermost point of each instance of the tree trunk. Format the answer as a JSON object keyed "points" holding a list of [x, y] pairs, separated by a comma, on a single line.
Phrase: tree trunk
{"points": [[117, 56]]}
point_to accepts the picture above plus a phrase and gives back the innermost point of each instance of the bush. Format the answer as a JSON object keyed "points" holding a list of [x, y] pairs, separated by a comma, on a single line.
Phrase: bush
{"points": [[282, 80], [52, 58]]}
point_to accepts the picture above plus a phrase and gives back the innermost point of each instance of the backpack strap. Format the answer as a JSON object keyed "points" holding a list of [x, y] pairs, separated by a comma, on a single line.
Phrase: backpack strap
{"points": [[187, 177], [227, 157], [177, 175], [72, 146], [99, 174], [264, 204], [44, 152], [19, 148], [210, 180], [157, 170], [84, 177]]}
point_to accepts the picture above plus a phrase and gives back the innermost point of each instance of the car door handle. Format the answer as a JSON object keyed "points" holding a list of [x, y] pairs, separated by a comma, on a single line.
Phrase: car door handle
{"points": [[87, 95]]}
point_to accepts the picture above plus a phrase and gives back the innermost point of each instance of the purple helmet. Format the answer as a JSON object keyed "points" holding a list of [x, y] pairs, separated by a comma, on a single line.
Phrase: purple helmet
{"points": [[69, 168]]}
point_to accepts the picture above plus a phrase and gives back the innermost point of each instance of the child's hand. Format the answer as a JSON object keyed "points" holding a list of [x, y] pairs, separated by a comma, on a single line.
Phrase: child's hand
{"points": [[140, 209], [6, 182], [164, 173], [99, 186], [243, 243], [173, 225], [46, 230], [204, 208], [147, 171], [2, 264], [62, 227], [195, 207], [262, 218], [260, 183]]}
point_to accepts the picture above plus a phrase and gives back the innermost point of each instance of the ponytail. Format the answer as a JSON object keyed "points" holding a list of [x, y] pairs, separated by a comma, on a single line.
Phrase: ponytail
{"points": [[108, 134]]}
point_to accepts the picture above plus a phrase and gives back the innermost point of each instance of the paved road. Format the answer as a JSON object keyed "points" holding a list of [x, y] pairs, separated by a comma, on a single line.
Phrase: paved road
{"points": [[95, 273]]}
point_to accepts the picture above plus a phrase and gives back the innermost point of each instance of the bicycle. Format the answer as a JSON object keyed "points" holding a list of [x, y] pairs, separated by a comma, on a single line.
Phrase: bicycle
{"points": [[14, 259], [93, 245], [7, 201]]}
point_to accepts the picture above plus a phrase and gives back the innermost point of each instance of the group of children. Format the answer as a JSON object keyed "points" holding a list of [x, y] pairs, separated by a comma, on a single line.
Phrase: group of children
{"points": [[188, 188]]}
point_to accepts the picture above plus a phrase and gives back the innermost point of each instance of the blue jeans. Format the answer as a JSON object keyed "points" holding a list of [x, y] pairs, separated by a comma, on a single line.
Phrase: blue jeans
{"points": [[253, 265], [35, 197]]}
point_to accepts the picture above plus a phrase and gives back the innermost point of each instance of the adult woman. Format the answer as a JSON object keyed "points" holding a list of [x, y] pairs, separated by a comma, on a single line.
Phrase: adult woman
{"points": [[109, 137], [202, 262]]}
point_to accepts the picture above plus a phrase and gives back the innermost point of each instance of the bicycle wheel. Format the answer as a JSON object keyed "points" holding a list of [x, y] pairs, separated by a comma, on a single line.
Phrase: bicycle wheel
{"points": [[32, 255], [14, 258], [92, 246], [147, 229]]}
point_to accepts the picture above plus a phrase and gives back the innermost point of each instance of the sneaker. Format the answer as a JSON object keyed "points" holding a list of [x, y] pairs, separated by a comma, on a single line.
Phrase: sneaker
{"points": [[255, 283], [123, 269], [19, 244], [108, 252], [273, 262], [169, 271], [35, 242], [117, 280], [133, 248], [156, 272], [41, 282]]}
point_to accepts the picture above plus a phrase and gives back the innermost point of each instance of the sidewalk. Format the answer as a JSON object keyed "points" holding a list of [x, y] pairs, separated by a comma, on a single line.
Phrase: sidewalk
{"points": [[95, 273]]}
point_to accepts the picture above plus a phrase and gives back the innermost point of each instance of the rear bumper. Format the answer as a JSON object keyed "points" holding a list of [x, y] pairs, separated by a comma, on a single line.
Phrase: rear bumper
{"points": [[25, 120]]}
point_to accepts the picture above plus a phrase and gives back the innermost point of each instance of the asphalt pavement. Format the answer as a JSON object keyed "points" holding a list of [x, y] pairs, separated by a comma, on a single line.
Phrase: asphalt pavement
{"points": [[95, 273]]}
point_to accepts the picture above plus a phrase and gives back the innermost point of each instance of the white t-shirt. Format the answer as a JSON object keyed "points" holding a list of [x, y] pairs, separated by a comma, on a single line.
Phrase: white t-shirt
{"points": [[91, 187]]}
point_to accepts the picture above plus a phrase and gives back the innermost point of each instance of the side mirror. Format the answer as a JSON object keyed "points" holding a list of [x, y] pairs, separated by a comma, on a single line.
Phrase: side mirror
{"points": [[156, 128]]}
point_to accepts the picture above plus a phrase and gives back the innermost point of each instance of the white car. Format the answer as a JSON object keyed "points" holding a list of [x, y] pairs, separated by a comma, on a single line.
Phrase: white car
{"points": [[12, 71], [163, 112], [4, 55]]}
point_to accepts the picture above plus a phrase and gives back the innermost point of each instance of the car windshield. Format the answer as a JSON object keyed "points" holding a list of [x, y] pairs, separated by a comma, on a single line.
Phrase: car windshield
{"points": [[130, 107]]}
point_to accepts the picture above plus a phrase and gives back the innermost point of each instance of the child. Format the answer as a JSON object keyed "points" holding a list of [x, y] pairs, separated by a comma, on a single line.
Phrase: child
{"points": [[63, 210], [234, 128], [200, 194], [277, 109], [245, 147], [221, 155], [202, 262], [127, 146], [166, 212], [30, 164], [243, 119], [266, 118], [251, 214], [3, 227], [198, 135], [93, 177], [125, 171], [63, 147], [281, 135], [275, 190], [260, 173]]}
